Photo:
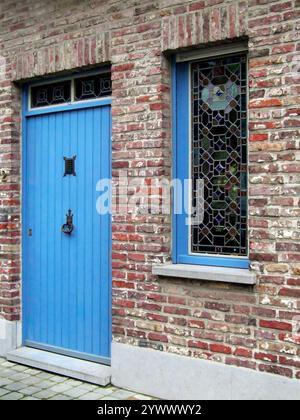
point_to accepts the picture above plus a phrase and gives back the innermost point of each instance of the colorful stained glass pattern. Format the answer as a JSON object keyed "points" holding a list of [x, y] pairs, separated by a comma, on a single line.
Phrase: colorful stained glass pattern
{"points": [[219, 154]]}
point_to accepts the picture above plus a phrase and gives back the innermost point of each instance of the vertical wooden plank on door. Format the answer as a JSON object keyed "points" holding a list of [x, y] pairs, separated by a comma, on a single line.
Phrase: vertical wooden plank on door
{"points": [[88, 228], [81, 234], [30, 315], [43, 238], [96, 280], [36, 279], [105, 237], [60, 217], [73, 275], [65, 239], [53, 177]]}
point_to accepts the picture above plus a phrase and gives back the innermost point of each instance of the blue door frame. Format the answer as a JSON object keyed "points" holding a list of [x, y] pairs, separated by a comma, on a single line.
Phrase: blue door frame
{"points": [[66, 285]]}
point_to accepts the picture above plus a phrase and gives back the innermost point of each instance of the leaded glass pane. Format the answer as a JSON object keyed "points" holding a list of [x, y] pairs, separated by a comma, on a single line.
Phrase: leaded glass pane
{"points": [[51, 94], [92, 87], [219, 154]]}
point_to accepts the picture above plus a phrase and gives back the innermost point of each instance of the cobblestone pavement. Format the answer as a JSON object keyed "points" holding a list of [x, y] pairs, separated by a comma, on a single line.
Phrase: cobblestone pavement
{"points": [[18, 382]]}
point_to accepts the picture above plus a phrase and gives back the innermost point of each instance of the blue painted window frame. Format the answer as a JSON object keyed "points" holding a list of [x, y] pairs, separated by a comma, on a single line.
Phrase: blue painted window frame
{"points": [[181, 133]]}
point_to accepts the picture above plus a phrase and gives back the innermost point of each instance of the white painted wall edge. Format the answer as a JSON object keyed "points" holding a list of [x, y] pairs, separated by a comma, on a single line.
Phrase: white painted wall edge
{"points": [[10, 336], [170, 376]]}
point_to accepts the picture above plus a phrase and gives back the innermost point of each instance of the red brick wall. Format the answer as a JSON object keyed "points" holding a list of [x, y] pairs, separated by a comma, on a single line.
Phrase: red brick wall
{"points": [[240, 325]]}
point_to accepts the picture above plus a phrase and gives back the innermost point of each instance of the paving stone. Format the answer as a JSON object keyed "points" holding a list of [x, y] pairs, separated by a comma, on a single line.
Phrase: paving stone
{"points": [[88, 386], [12, 396], [19, 376], [58, 379], [75, 392], [45, 394], [122, 394], [30, 390], [5, 381], [44, 384], [21, 382], [3, 391], [33, 380], [14, 386], [89, 396], [45, 375], [73, 382], [102, 391], [31, 371], [60, 388], [141, 397], [5, 363], [6, 373], [20, 368], [60, 397]]}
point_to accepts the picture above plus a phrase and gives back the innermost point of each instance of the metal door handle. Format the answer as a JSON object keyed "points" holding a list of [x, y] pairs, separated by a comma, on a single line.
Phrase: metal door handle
{"points": [[68, 227], [3, 175]]}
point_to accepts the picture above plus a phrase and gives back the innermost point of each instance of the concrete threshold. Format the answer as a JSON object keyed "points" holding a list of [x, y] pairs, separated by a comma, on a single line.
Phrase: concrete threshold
{"points": [[62, 365]]}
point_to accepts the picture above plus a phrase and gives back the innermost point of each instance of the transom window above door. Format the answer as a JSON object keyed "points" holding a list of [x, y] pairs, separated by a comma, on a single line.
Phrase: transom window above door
{"points": [[69, 90]]}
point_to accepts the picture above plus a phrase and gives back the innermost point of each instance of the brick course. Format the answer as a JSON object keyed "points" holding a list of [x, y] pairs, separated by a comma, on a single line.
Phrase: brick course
{"points": [[237, 325]]}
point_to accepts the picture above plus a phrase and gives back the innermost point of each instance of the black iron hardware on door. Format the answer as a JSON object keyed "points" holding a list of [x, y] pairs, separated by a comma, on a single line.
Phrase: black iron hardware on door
{"points": [[3, 176], [70, 166], [68, 227]]}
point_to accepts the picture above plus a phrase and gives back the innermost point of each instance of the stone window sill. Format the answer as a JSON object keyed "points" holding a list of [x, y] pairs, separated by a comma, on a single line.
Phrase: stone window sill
{"points": [[203, 272]]}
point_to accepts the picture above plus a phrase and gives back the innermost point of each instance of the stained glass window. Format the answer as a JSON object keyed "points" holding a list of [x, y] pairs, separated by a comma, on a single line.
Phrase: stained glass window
{"points": [[51, 94], [76, 89], [219, 154], [92, 87]]}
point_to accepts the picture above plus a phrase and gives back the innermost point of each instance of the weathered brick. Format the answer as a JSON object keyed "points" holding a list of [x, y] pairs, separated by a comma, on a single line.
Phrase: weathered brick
{"points": [[247, 325]]}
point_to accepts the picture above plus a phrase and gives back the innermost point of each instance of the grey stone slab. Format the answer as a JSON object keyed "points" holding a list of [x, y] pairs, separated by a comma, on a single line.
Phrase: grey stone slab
{"points": [[63, 365], [201, 272], [170, 376]]}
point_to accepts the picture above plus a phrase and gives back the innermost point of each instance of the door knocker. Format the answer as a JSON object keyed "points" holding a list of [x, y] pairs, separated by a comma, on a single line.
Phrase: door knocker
{"points": [[68, 227], [3, 175]]}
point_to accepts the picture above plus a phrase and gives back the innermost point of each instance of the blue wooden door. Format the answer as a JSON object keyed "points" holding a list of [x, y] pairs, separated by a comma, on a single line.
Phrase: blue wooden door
{"points": [[66, 279]]}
